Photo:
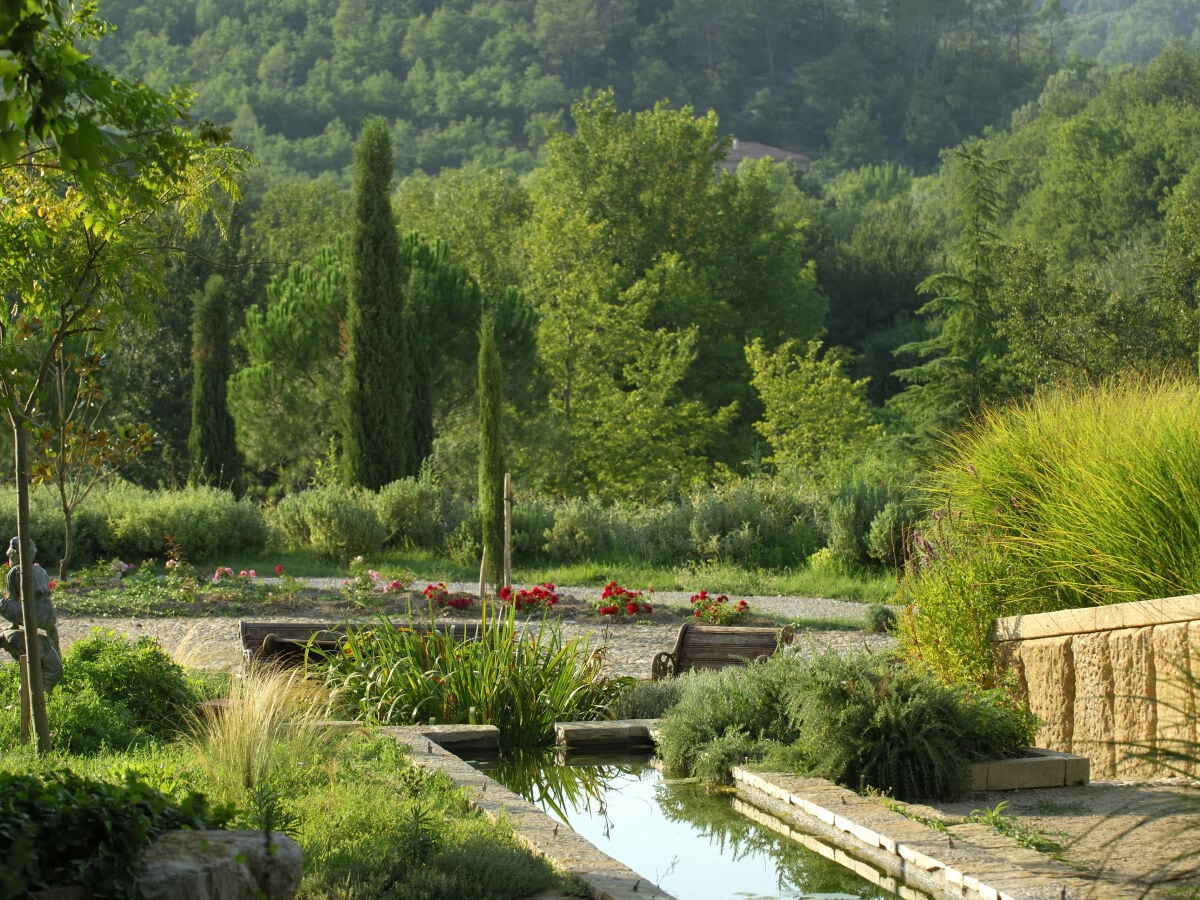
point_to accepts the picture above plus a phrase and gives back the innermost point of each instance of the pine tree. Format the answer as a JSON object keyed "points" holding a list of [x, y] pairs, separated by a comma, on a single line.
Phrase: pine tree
{"points": [[212, 448], [377, 432], [491, 453]]}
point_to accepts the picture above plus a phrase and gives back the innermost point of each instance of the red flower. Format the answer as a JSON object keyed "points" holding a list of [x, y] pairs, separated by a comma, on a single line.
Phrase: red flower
{"points": [[279, 569]]}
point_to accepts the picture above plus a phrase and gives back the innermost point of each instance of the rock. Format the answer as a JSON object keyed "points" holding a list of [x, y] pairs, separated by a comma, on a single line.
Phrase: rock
{"points": [[230, 865]]}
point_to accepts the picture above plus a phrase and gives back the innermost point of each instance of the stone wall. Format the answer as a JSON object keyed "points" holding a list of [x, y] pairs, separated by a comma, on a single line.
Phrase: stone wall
{"points": [[1109, 681]]}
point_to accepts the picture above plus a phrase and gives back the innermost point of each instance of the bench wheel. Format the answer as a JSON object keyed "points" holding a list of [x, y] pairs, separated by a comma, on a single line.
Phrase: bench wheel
{"points": [[663, 666]]}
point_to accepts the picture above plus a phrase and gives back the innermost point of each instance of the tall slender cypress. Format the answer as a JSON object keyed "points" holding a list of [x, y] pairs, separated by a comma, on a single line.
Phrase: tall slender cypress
{"points": [[377, 432], [212, 447], [491, 453]]}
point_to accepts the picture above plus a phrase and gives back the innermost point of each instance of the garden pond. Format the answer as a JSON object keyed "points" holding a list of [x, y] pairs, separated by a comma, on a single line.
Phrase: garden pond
{"points": [[683, 836]]}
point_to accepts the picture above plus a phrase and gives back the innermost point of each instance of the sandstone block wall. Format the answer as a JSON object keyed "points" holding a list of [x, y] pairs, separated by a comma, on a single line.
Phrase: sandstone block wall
{"points": [[1110, 681]]}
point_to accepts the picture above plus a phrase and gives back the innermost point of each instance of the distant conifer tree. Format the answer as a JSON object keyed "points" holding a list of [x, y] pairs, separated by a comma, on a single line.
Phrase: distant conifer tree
{"points": [[212, 448], [491, 452], [377, 433]]}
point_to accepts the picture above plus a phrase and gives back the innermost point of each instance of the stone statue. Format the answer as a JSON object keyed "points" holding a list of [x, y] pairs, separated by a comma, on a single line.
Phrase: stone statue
{"points": [[46, 627]]}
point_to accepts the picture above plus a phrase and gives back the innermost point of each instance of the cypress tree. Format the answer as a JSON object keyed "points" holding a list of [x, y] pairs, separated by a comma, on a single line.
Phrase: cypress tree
{"points": [[491, 454], [212, 447], [377, 432]]}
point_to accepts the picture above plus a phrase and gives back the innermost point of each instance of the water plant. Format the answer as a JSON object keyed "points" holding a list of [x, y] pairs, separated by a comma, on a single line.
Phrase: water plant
{"points": [[521, 680]]}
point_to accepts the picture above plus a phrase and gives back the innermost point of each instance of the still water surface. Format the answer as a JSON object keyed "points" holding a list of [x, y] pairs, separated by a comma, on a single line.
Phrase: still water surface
{"points": [[683, 837]]}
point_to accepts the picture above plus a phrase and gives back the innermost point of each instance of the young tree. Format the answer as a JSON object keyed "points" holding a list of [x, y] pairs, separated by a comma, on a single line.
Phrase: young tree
{"points": [[650, 267], [211, 443], [75, 450], [491, 453], [377, 434], [79, 252], [813, 412], [964, 358], [287, 399]]}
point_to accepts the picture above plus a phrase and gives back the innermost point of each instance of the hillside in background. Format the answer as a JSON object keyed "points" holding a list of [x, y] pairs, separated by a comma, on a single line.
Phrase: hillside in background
{"points": [[477, 80]]}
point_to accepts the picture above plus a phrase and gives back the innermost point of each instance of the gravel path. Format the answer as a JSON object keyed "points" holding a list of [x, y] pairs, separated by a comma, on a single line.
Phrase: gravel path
{"points": [[629, 647]]}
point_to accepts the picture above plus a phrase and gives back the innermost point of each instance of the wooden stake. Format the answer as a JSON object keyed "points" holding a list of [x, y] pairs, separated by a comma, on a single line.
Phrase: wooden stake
{"points": [[507, 528], [482, 581]]}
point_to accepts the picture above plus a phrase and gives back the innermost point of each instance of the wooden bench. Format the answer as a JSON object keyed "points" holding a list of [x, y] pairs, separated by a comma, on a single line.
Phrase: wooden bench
{"points": [[718, 646], [289, 643]]}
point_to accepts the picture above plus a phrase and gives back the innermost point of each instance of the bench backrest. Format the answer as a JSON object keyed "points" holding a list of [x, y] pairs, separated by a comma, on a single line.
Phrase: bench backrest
{"points": [[717, 646]]}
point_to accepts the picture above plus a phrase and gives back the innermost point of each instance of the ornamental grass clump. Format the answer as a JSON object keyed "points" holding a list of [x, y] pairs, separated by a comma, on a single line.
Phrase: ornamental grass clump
{"points": [[268, 732], [1073, 499], [522, 680]]}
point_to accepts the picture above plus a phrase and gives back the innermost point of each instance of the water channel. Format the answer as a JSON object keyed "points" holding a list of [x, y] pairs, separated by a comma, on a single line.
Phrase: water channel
{"points": [[682, 836]]}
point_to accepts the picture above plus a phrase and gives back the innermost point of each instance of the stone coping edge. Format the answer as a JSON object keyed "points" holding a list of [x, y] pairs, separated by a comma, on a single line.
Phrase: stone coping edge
{"points": [[925, 859], [1139, 614], [604, 877], [1036, 769]]}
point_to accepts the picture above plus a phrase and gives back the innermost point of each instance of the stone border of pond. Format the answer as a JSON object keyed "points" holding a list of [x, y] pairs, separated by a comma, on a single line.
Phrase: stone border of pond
{"points": [[895, 851], [604, 877], [969, 860]]}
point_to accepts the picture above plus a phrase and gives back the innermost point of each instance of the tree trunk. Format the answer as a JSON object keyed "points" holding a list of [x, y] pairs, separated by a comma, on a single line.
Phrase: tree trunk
{"points": [[33, 648]]}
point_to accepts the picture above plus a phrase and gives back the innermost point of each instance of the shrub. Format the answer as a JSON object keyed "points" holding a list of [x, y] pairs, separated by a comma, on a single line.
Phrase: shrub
{"points": [[870, 721], [531, 519], [54, 823], [636, 699], [889, 535], [749, 700], [881, 618], [582, 530], [200, 523], [850, 514], [863, 721], [114, 693], [333, 521], [415, 512]]}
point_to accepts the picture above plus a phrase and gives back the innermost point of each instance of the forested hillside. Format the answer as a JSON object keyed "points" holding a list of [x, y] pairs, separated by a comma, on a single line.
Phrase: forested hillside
{"points": [[983, 220], [477, 80]]}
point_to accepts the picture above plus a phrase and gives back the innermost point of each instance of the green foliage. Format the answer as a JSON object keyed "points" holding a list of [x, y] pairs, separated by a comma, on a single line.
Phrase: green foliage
{"points": [[61, 829], [403, 831], [740, 707], [113, 694], [417, 512], [862, 721], [811, 409], [871, 722], [1077, 498], [636, 699], [211, 443], [285, 398], [380, 382], [335, 522], [522, 683], [491, 454], [198, 522], [881, 618]]}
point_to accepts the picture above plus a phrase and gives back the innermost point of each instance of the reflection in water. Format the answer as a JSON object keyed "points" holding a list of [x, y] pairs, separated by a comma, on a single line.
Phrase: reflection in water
{"points": [[682, 836]]}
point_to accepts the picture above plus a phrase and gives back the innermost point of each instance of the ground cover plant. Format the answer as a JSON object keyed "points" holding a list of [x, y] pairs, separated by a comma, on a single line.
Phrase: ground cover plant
{"points": [[1071, 499], [864, 721], [267, 762]]}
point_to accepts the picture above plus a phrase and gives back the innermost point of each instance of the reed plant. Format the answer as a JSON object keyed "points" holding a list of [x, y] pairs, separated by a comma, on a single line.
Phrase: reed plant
{"points": [[521, 679], [268, 732], [1073, 499]]}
